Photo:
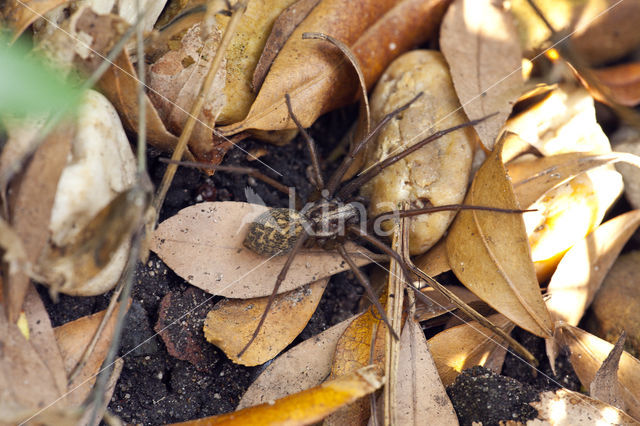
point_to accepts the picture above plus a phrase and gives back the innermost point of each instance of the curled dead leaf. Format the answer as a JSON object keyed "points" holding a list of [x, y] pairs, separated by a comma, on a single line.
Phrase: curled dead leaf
{"points": [[489, 252], [622, 81]]}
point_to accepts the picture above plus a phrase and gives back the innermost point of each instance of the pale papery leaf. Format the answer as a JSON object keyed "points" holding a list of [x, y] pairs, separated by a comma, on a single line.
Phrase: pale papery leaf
{"points": [[301, 367], [576, 409], [489, 252], [232, 322], [479, 41], [588, 352], [582, 269], [203, 244], [420, 394], [306, 407], [466, 345]]}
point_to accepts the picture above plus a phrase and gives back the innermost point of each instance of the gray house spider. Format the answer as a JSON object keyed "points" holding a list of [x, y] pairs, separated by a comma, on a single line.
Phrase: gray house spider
{"points": [[332, 216]]}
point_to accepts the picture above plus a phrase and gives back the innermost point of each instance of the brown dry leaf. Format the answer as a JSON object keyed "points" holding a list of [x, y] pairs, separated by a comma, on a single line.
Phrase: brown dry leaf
{"points": [[244, 51], [18, 15], [231, 323], [119, 83], [73, 338], [467, 345], [489, 252], [353, 351], [306, 407], [315, 74], [588, 352], [434, 262], [301, 367], [31, 201], [622, 81], [565, 407], [420, 393], [27, 382], [605, 385], [203, 244], [585, 265], [283, 26], [601, 31], [175, 80], [440, 304], [479, 40]]}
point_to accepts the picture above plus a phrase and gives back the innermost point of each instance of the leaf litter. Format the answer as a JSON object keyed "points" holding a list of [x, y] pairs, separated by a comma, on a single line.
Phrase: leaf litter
{"points": [[350, 355]]}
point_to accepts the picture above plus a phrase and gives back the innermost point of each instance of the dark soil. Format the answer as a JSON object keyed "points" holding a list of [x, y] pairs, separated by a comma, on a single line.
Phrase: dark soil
{"points": [[190, 378]]}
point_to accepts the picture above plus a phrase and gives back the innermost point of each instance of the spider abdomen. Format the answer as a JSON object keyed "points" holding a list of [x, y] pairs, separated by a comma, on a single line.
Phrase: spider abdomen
{"points": [[275, 231]]}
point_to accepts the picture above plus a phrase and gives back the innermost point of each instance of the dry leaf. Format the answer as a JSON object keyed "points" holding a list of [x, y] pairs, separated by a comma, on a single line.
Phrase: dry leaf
{"points": [[565, 407], [605, 385], [466, 345], [439, 304], [434, 262], [588, 352], [353, 351], [306, 407], [626, 139], [175, 80], [282, 28], [244, 52], [204, 245], [301, 367], [420, 394], [489, 252], [73, 339], [565, 122], [26, 381], [479, 40], [231, 323], [315, 74], [437, 174], [622, 81], [601, 31], [614, 307], [119, 83], [585, 265], [19, 14], [31, 203]]}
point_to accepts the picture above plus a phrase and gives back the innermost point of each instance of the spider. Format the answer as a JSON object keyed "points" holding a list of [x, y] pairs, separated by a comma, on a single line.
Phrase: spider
{"points": [[333, 216]]}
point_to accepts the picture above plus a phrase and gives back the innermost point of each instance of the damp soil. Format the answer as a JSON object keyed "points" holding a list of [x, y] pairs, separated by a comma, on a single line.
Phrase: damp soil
{"points": [[187, 378]]}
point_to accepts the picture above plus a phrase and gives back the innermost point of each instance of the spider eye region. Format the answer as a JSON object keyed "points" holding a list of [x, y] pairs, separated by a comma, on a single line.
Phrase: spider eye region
{"points": [[275, 231]]}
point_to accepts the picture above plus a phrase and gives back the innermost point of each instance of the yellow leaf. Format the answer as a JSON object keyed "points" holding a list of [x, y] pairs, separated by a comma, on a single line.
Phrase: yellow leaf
{"points": [[232, 322], [306, 407]]}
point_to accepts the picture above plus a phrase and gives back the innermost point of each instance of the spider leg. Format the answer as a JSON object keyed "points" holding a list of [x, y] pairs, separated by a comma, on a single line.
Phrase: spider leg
{"points": [[311, 145], [444, 207], [364, 281], [250, 171], [335, 179], [281, 276], [468, 310], [357, 182]]}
